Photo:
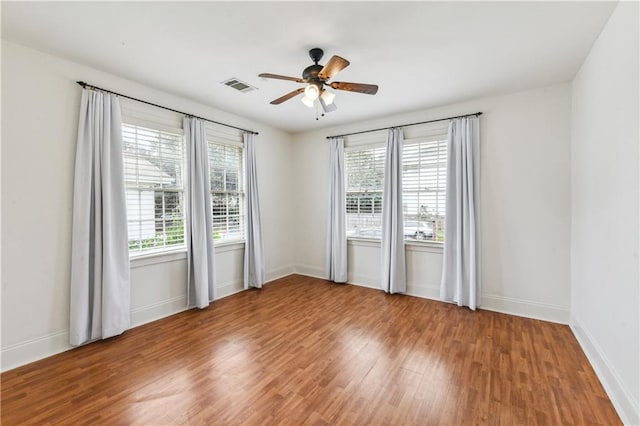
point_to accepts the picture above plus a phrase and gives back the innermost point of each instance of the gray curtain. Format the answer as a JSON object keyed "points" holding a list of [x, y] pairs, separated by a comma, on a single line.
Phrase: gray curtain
{"points": [[337, 227], [393, 273], [460, 273], [100, 286], [253, 248], [199, 229]]}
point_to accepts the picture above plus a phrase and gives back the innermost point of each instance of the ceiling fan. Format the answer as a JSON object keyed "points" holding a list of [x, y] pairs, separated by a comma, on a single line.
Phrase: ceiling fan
{"points": [[317, 77]]}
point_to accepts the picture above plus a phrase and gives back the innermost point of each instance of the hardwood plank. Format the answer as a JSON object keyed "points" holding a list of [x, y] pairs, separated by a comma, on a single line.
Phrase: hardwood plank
{"points": [[306, 351]]}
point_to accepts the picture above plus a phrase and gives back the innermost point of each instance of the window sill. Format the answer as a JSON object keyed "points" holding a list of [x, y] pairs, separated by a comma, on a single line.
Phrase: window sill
{"points": [[224, 246], [424, 246], [153, 257], [157, 256], [410, 245], [363, 242]]}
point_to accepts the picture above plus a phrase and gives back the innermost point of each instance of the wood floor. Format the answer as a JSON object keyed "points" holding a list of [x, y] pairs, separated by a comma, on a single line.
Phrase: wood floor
{"points": [[305, 351]]}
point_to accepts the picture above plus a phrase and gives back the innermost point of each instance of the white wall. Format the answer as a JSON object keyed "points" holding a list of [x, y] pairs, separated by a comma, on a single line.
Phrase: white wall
{"points": [[604, 241], [525, 208], [40, 101]]}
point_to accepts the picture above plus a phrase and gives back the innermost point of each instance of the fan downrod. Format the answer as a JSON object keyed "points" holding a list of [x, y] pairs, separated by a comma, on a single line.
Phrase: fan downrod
{"points": [[316, 54]]}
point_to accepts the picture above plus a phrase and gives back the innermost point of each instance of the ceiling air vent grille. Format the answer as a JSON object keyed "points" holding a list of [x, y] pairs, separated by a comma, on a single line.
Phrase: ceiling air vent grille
{"points": [[239, 85]]}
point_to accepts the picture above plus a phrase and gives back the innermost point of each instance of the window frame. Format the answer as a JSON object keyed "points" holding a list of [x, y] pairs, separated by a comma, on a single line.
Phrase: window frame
{"points": [[430, 139], [229, 138], [160, 121], [372, 147], [431, 132]]}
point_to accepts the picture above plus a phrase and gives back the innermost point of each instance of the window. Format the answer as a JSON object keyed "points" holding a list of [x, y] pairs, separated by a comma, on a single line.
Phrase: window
{"points": [[227, 190], [155, 167], [424, 173], [365, 176], [154, 185]]}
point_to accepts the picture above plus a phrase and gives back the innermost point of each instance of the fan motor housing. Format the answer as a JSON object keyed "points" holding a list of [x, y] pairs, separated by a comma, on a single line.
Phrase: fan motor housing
{"points": [[311, 73]]}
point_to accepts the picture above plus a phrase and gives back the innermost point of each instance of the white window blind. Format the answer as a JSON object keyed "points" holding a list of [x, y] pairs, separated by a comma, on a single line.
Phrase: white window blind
{"points": [[424, 172], [226, 168], [154, 185], [365, 176]]}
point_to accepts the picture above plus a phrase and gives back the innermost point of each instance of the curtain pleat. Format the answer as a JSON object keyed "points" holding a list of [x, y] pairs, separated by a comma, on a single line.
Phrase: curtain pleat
{"points": [[460, 273], [199, 225], [253, 249], [337, 227], [100, 285], [393, 271]]}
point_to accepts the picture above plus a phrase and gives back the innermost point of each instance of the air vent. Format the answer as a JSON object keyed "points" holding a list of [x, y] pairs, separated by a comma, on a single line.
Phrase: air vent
{"points": [[239, 85]]}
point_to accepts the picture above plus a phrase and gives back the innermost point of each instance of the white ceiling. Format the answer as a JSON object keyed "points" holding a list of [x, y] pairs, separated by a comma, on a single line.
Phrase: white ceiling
{"points": [[421, 54]]}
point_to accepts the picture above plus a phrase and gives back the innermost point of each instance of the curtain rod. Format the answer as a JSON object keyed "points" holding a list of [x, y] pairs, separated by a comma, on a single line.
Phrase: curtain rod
{"points": [[85, 85], [406, 125]]}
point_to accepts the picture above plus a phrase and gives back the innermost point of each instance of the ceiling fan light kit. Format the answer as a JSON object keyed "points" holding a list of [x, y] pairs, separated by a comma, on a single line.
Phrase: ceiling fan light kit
{"points": [[327, 107], [308, 102], [327, 97], [316, 77], [312, 92]]}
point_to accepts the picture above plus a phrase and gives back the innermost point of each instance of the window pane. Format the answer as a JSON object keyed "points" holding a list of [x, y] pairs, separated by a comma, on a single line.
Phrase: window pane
{"points": [[216, 154], [366, 203], [232, 180], [153, 174], [174, 232], [364, 174], [423, 190], [219, 205], [219, 227], [233, 205], [352, 203], [226, 166], [217, 180], [234, 226], [424, 185], [377, 203]]}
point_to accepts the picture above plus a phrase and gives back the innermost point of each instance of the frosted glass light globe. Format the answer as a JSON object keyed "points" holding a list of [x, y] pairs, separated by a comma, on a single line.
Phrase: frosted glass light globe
{"points": [[312, 92]]}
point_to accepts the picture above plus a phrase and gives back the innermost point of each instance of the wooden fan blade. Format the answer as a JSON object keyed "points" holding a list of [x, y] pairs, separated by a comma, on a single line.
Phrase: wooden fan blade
{"points": [[288, 96], [281, 77], [367, 89], [333, 67]]}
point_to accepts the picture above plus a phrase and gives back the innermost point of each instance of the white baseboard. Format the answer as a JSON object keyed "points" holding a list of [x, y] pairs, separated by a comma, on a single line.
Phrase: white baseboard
{"points": [[32, 350], [311, 271], [507, 305], [413, 289], [51, 344], [229, 288], [281, 272], [364, 281], [628, 410], [237, 286], [149, 313], [431, 293], [525, 308], [518, 307]]}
